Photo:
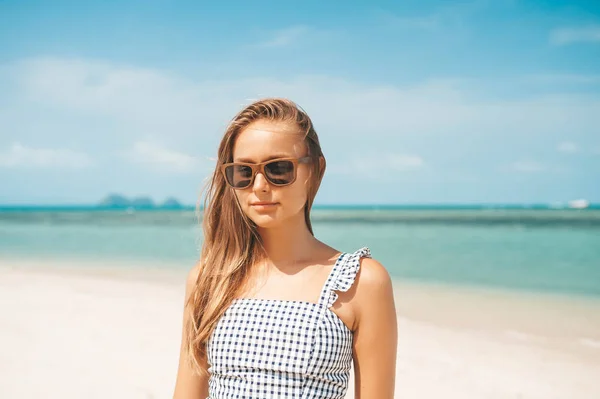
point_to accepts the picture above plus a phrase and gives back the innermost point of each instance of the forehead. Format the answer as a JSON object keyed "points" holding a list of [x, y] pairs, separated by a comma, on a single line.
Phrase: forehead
{"points": [[263, 140]]}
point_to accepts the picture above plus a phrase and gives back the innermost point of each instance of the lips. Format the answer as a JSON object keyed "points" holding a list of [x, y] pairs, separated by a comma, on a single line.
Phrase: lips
{"points": [[263, 203]]}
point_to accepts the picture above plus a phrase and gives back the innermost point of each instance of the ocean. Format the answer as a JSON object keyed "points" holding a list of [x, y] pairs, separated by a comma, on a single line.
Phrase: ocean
{"points": [[534, 249]]}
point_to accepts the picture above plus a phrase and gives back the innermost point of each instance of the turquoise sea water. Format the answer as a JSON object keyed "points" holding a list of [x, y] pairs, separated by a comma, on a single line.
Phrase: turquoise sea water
{"points": [[548, 250]]}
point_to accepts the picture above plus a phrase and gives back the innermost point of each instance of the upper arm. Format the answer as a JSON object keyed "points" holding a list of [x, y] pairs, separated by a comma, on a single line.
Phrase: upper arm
{"points": [[189, 384], [376, 332]]}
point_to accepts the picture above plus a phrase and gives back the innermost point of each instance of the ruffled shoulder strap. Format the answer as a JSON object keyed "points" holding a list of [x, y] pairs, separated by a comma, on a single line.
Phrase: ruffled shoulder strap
{"points": [[343, 275]]}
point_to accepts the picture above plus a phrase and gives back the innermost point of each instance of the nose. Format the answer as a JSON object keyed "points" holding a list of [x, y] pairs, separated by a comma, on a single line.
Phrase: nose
{"points": [[260, 182]]}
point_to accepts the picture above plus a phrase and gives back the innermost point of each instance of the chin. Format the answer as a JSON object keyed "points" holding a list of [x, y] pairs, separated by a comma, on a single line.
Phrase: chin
{"points": [[271, 219], [265, 221]]}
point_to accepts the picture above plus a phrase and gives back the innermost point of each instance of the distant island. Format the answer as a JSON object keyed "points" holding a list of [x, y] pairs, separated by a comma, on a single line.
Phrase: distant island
{"points": [[120, 201]]}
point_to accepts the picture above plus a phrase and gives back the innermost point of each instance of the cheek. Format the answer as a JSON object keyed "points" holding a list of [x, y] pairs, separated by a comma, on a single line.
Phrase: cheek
{"points": [[299, 190], [293, 200]]}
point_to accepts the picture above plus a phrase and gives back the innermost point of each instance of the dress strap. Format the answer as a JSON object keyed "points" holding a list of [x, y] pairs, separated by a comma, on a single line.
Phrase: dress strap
{"points": [[343, 275]]}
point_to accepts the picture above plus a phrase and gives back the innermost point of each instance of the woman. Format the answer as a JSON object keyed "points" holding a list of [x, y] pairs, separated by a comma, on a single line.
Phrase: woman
{"points": [[270, 310]]}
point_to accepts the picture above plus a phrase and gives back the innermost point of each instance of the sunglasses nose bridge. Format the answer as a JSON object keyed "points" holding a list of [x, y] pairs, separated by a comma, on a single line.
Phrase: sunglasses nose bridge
{"points": [[260, 168], [256, 170]]}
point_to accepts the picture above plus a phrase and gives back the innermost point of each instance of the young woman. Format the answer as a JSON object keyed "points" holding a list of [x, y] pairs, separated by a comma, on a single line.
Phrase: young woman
{"points": [[271, 311]]}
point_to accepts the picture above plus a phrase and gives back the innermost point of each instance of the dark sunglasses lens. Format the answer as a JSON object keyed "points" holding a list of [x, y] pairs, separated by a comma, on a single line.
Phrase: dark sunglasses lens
{"points": [[280, 172], [238, 176]]}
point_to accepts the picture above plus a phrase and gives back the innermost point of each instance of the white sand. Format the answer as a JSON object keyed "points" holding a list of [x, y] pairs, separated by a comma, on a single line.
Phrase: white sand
{"points": [[106, 334]]}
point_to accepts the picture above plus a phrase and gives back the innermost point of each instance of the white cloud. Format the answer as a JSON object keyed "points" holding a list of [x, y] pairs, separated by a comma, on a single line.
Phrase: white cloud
{"points": [[405, 162], [568, 147], [145, 105], [285, 37], [149, 153], [142, 100], [18, 156], [527, 166], [583, 34], [146, 97], [379, 166]]}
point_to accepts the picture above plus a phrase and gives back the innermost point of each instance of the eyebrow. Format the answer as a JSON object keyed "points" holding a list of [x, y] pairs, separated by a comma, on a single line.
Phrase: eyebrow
{"points": [[274, 156]]}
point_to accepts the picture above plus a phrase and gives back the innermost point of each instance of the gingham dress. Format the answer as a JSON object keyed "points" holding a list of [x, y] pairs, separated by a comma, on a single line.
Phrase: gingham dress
{"points": [[270, 348]]}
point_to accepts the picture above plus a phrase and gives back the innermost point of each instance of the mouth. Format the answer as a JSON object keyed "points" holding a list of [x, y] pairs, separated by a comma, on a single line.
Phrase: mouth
{"points": [[263, 203], [264, 206]]}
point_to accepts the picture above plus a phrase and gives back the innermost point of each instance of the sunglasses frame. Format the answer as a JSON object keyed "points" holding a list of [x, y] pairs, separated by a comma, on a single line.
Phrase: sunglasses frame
{"points": [[260, 167]]}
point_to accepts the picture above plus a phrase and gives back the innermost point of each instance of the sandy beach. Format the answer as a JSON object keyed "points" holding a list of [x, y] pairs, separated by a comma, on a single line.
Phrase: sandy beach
{"points": [[72, 331]]}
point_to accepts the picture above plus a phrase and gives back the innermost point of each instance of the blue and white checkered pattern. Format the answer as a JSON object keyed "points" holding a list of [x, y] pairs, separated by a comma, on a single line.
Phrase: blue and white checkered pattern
{"points": [[269, 348]]}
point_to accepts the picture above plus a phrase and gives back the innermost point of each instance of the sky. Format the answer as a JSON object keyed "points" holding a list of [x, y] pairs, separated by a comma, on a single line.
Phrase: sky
{"points": [[415, 102]]}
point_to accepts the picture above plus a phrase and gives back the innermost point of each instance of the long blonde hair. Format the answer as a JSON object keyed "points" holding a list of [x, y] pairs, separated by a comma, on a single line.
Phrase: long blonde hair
{"points": [[231, 240]]}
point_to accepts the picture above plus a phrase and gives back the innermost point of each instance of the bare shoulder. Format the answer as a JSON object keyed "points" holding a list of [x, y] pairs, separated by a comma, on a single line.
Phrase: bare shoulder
{"points": [[374, 289], [372, 275]]}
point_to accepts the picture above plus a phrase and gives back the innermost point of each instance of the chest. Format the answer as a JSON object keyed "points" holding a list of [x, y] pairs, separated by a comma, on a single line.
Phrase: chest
{"points": [[264, 334], [305, 286], [276, 336]]}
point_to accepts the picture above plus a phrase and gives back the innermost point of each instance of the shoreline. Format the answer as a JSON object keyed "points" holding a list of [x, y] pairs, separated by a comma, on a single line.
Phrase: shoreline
{"points": [[173, 271], [415, 300]]}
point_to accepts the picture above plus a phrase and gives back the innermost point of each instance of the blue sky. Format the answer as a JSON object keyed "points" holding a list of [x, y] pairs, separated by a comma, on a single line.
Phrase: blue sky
{"points": [[414, 101]]}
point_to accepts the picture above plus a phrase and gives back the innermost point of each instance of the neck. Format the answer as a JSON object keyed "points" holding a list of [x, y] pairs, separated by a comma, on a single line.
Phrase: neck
{"points": [[289, 243]]}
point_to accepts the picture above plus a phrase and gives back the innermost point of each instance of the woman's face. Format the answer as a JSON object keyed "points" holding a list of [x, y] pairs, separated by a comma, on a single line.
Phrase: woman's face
{"points": [[261, 141]]}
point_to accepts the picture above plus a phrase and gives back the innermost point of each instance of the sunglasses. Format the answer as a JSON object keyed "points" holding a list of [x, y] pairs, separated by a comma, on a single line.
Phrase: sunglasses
{"points": [[278, 172]]}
